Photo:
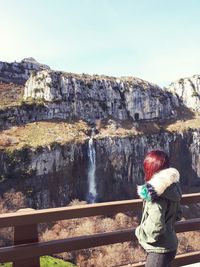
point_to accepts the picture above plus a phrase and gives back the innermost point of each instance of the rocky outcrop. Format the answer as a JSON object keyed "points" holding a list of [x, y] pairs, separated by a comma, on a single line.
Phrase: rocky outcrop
{"points": [[25, 113], [54, 175], [121, 161], [19, 72], [94, 97], [47, 177], [188, 90]]}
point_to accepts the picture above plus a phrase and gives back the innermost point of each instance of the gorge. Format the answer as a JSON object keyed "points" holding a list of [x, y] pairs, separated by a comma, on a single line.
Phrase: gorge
{"points": [[70, 136]]}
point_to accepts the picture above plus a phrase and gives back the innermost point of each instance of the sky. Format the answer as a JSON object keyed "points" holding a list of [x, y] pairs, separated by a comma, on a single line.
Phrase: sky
{"points": [[155, 40]]}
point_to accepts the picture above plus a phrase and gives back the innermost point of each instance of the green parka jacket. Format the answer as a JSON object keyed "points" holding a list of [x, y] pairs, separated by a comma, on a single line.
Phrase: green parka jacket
{"points": [[162, 209]]}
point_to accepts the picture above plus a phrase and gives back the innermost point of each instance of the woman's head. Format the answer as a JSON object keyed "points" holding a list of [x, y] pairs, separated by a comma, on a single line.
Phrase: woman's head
{"points": [[155, 161]]}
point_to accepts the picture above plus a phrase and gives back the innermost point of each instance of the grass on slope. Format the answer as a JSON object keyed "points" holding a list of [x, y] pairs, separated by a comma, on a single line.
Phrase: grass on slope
{"points": [[10, 94], [43, 133], [47, 261]]}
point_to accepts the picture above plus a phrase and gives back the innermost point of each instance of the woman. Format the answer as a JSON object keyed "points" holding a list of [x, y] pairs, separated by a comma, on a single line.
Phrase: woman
{"points": [[161, 194]]}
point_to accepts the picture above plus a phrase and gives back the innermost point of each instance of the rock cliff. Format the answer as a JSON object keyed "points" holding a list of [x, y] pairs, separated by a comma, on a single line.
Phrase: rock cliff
{"points": [[96, 97], [19, 72], [188, 90], [54, 175]]}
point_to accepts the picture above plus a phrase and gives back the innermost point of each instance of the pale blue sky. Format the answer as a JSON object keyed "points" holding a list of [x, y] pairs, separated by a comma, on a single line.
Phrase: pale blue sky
{"points": [[156, 40]]}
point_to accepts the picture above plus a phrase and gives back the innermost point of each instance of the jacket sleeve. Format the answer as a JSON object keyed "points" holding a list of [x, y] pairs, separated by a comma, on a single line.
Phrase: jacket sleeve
{"points": [[154, 225], [179, 213]]}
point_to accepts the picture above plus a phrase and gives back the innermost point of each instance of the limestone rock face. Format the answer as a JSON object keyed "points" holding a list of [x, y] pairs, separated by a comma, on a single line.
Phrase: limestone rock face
{"points": [[48, 177], [19, 72], [93, 97], [188, 89], [123, 158], [53, 176]]}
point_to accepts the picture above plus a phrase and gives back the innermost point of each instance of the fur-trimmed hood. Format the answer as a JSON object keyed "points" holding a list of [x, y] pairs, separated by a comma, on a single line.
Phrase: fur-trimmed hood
{"points": [[163, 183]]}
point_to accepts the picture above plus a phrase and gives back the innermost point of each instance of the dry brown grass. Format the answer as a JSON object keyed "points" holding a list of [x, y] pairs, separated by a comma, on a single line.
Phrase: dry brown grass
{"points": [[184, 125], [118, 128], [11, 201], [130, 128], [43, 133], [110, 255], [6, 140], [10, 94], [188, 241]]}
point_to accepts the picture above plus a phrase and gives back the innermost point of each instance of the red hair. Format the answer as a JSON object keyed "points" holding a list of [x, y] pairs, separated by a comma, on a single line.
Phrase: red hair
{"points": [[155, 161]]}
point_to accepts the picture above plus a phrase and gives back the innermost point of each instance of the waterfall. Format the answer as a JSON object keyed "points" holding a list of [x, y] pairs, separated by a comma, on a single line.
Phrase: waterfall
{"points": [[91, 172]]}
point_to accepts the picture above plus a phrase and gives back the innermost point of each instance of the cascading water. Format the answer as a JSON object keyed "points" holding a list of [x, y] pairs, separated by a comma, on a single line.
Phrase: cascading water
{"points": [[91, 172]]}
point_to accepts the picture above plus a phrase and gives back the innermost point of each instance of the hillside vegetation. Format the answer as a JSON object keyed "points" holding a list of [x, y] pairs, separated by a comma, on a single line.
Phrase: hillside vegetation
{"points": [[47, 261], [10, 94], [44, 133]]}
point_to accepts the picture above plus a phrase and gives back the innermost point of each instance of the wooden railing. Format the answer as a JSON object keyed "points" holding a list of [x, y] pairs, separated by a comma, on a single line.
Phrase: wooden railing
{"points": [[26, 249]]}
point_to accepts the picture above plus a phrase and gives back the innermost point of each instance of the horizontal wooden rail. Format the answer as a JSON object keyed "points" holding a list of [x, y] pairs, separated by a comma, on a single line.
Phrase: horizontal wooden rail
{"points": [[187, 225], [70, 212], [82, 242], [25, 235], [180, 260], [190, 198], [187, 258]]}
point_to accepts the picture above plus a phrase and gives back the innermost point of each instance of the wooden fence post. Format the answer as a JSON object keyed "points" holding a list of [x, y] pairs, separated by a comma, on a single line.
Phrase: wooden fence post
{"points": [[25, 234]]}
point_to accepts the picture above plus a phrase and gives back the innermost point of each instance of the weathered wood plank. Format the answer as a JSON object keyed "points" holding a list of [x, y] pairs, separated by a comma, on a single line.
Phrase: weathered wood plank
{"points": [[25, 234], [186, 258], [180, 260], [55, 214]]}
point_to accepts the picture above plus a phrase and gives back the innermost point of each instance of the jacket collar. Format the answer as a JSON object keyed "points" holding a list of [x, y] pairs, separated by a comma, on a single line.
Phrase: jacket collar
{"points": [[158, 184]]}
